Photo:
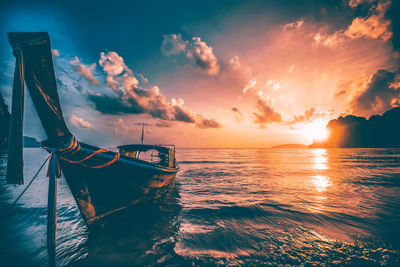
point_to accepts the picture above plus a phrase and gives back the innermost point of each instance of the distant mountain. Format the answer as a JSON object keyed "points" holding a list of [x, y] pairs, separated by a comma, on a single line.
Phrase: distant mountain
{"points": [[5, 126], [31, 142], [292, 146], [4, 123], [352, 131]]}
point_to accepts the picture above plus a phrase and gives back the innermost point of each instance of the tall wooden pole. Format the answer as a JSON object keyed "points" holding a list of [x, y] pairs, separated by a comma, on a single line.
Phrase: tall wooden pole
{"points": [[15, 164], [52, 210]]}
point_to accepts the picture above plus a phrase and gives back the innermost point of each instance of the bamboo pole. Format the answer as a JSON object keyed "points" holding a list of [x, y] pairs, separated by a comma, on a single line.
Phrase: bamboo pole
{"points": [[52, 210], [15, 163]]}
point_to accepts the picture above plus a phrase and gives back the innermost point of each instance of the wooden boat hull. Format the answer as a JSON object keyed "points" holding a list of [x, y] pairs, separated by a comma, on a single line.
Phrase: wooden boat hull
{"points": [[100, 192]]}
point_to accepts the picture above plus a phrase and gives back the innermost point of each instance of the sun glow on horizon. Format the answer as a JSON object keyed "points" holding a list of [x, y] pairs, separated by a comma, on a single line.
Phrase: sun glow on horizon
{"points": [[315, 131]]}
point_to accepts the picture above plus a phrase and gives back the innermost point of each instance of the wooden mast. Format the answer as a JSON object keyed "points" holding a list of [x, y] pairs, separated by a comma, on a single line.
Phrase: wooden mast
{"points": [[15, 163]]}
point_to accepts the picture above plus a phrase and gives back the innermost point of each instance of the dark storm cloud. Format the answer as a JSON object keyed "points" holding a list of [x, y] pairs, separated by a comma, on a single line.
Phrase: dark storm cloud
{"points": [[379, 96]]}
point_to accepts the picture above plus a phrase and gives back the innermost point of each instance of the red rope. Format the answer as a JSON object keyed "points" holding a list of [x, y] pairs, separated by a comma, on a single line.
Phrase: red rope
{"points": [[101, 150], [105, 164], [75, 147]]}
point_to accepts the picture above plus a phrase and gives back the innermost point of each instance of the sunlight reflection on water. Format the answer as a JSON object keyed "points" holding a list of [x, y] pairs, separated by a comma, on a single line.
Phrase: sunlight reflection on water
{"points": [[235, 206], [321, 182], [320, 159]]}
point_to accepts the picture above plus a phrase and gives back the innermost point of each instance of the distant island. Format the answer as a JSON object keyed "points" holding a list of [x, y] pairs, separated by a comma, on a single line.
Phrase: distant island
{"points": [[291, 146], [31, 142], [5, 126], [4, 123], [379, 131]]}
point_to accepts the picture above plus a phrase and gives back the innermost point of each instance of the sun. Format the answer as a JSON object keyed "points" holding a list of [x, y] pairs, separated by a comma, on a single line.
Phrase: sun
{"points": [[315, 131]]}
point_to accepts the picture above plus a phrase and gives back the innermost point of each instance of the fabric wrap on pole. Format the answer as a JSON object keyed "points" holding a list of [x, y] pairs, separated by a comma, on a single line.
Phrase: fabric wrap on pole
{"points": [[52, 208], [15, 163], [41, 82]]}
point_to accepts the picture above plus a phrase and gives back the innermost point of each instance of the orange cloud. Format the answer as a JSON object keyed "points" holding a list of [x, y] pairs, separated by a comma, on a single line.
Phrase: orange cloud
{"points": [[265, 112], [308, 116], [374, 26]]}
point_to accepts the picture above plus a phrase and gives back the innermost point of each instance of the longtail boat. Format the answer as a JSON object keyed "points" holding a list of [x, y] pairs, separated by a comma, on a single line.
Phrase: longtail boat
{"points": [[102, 182]]}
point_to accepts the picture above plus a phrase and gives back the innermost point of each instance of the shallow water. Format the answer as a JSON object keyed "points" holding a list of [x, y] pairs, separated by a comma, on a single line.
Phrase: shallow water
{"points": [[230, 207]]}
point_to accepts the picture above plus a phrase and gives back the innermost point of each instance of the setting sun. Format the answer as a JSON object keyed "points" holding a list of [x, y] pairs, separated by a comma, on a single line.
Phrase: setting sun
{"points": [[315, 131], [241, 132]]}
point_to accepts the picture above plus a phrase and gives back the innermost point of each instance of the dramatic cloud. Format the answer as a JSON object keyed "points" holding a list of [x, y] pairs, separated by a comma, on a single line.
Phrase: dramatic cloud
{"points": [[86, 72], [198, 52], [182, 113], [265, 113], [80, 122], [118, 74], [129, 98], [113, 64], [203, 57], [373, 26], [379, 96]]}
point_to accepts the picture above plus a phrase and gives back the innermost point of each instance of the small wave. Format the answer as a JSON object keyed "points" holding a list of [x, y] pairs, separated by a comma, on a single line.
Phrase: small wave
{"points": [[209, 162]]}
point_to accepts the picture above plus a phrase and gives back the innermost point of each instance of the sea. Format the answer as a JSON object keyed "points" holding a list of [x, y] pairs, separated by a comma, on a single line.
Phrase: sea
{"points": [[230, 207]]}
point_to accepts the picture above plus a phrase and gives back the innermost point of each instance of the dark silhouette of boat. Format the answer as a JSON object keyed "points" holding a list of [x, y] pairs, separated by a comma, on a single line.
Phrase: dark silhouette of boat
{"points": [[103, 182]]}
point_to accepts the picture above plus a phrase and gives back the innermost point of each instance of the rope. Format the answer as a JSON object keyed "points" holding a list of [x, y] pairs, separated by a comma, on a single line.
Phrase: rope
{"points": [[105, 164], [26, 188], [101, 150], [54, 165], [73, 148]]}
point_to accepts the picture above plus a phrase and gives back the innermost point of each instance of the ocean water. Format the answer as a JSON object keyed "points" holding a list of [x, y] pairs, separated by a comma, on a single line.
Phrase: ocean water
{"points": [[231, 207]]}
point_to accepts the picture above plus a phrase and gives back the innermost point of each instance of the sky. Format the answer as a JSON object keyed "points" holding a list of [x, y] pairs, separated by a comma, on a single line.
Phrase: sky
{"points": [[228, 73]]}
